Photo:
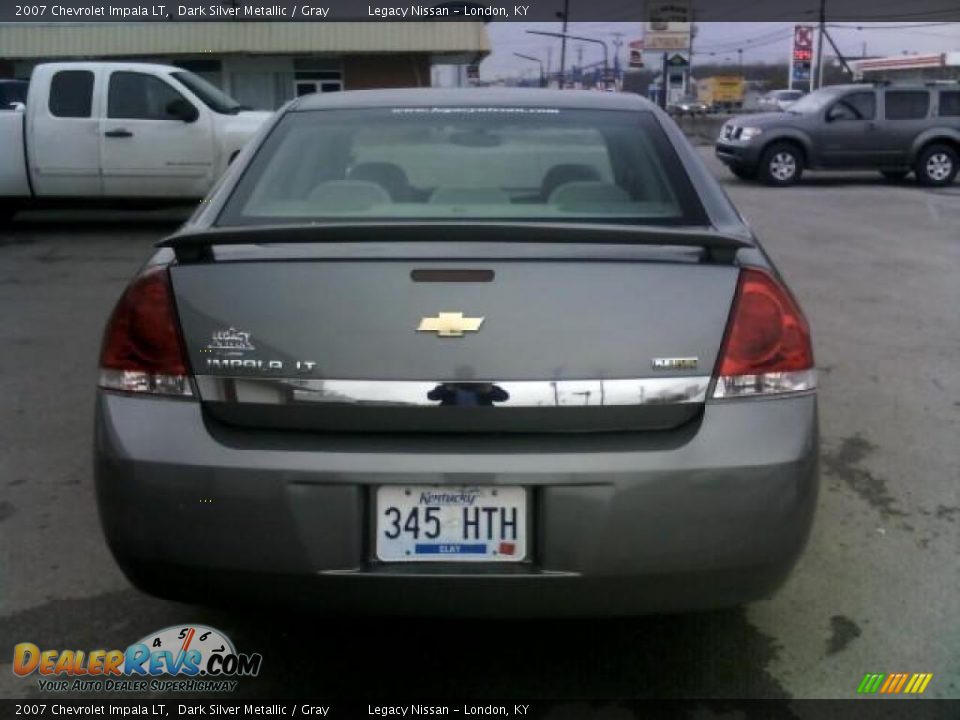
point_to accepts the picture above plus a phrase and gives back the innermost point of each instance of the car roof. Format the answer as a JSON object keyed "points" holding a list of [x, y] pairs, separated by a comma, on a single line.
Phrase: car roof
{"points": [[472, 97], [107, 65]]}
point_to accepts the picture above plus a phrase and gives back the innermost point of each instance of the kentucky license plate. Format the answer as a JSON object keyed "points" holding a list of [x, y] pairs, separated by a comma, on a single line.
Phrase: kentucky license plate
{"points": [[451, 524]]}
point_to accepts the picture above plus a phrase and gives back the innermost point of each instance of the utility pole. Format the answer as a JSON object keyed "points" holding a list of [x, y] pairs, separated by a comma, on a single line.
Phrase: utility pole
{"points": [[563, 44], [688, 87], [823, 27], [664, 79]]}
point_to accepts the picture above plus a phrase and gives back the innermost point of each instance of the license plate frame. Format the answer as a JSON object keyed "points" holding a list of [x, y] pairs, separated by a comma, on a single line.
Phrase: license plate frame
{"points": [[499, 518]]}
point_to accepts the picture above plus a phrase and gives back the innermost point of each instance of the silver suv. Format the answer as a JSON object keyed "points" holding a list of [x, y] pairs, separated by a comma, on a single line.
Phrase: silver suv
{"points": [[895, 129]]}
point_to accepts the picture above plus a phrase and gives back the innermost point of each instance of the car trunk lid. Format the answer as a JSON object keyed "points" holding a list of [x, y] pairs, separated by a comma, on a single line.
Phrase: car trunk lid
{"points": [[502, 339]]}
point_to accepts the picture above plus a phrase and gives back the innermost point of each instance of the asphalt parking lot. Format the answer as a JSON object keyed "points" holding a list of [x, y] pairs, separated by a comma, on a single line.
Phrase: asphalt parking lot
{"points": [[877, 268]]}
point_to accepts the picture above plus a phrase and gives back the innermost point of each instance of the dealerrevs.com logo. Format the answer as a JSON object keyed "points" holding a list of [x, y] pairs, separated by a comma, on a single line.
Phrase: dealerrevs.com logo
{"points": [[180, 658]]}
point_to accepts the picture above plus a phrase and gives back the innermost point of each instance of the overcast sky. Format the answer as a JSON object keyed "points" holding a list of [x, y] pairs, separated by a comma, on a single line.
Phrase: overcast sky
{"points": [[768, 42]]}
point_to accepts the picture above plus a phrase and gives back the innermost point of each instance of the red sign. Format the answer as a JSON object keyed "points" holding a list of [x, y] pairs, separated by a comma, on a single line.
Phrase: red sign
{"points": [[802, 37]]}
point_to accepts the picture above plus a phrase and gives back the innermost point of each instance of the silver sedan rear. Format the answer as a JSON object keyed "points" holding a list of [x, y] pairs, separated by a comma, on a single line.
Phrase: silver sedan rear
{"points": [[505, 353]]}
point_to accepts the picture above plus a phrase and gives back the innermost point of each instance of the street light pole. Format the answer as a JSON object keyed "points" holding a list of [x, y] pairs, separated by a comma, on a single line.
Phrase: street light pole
{"points": [[536, 60], [601, 43]]}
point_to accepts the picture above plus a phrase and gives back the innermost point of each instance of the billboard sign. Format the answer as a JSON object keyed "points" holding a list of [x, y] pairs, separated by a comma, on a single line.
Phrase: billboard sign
{"points": [[668, 25]]}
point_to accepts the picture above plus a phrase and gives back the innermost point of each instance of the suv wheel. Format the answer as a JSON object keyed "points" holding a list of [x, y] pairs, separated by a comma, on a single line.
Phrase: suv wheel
{"points": [[937, 166], [781, 165]]}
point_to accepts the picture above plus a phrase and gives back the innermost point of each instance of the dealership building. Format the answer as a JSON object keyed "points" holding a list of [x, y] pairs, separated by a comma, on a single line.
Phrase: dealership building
{"points": [[261, 64]]}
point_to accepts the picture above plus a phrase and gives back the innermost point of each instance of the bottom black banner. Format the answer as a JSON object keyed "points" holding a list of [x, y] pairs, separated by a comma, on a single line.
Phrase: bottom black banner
{"points": [[552, 709]]}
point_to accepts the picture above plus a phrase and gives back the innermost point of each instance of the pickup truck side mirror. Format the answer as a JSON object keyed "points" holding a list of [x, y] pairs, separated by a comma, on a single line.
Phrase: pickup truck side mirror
{"points": [[182, 110]]}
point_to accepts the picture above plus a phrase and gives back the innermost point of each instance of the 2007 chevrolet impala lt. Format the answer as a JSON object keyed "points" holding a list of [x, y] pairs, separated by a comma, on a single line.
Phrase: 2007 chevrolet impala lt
{"points": [[460, 352]]}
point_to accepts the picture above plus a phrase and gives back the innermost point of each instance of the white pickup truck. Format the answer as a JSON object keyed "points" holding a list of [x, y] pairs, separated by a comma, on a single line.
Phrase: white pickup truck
{"points": [[101, 130]]}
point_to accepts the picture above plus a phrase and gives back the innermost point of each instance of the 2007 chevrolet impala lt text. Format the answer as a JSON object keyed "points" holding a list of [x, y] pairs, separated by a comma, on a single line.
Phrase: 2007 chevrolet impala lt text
{"points": [[483, 352]]}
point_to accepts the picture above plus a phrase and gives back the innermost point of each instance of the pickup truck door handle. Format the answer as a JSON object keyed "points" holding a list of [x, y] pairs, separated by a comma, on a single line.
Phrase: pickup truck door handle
{"points": [[118, 133]]}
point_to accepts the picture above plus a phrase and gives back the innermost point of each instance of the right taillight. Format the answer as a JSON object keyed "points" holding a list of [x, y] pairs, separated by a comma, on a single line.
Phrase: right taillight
{"points": [[767, 349], [142, 351]]}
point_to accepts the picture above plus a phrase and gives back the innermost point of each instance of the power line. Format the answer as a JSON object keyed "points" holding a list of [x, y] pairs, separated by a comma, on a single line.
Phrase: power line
{"points": [[720, 49]]}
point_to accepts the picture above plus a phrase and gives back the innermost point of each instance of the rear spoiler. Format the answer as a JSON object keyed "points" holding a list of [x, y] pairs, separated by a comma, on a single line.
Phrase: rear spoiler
{"points": [[196, 245]]}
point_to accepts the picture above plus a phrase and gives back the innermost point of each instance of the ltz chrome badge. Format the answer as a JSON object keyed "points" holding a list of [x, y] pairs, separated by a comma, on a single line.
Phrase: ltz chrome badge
{"points": [[681, 363]]}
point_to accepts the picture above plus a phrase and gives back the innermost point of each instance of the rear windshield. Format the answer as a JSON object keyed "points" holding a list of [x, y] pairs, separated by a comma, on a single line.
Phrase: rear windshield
{"points": [[465, 163]]}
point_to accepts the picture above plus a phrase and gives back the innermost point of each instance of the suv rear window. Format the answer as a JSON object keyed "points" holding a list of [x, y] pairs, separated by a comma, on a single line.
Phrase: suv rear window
{"points": [[907, 104], [950, 103], [465, 163], [71, 94]]}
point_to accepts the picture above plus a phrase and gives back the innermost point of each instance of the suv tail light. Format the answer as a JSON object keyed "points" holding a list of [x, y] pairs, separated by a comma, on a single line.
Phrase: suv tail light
{"points": [[767, 349], [142, 351]]}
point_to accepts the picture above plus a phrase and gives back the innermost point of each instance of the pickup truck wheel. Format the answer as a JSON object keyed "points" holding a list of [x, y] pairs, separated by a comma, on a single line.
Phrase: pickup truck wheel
{"points": [[894, 175], [937, 166], [781, 165]]}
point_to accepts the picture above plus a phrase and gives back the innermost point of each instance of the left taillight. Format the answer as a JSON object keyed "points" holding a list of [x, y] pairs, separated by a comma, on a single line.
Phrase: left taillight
{"points": [[142, 351]]}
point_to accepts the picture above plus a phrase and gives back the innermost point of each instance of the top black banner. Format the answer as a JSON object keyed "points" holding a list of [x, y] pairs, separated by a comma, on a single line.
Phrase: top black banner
{"points": [[118, 11]]}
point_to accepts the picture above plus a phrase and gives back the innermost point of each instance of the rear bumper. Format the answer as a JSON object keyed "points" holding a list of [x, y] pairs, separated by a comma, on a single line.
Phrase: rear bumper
{"points": [[712, 514]]}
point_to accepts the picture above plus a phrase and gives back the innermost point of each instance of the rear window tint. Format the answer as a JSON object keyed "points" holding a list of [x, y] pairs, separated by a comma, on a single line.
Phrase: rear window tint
{"points": [[907, 104], [469, 163], [950, 103], [71, 94]]}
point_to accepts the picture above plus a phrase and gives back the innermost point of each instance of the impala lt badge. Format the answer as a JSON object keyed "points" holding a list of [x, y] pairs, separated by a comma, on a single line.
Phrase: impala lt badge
{"points": [[450, 324]]}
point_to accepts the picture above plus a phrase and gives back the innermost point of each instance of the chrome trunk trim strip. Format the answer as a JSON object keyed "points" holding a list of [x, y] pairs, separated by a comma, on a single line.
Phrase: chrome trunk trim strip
{"points": [[417, 393]]}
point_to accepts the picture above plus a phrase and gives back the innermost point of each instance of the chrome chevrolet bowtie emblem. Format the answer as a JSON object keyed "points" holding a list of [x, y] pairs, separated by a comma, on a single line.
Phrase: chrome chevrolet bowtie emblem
{"points": [[450, 324]]}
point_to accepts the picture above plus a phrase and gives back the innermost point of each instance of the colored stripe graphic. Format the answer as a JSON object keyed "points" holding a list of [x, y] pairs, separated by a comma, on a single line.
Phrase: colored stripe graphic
{"points": [[922, 682], [894, 683], [891, 679], [900, 682], [870, 683]]}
